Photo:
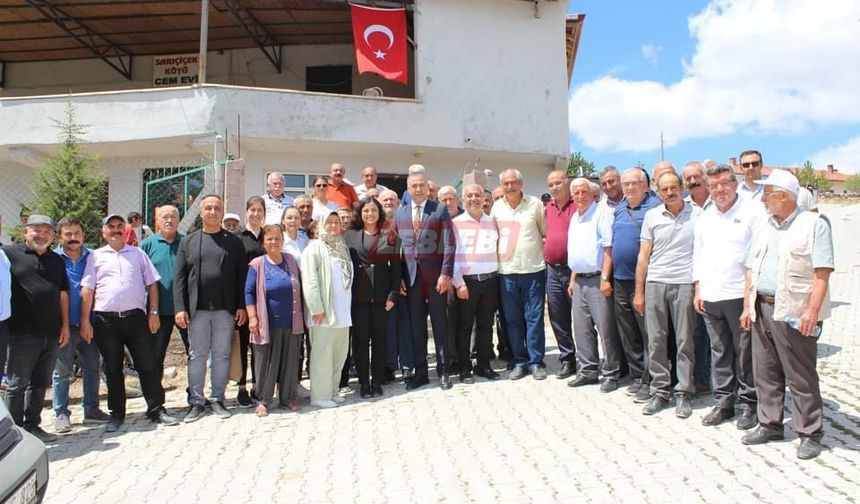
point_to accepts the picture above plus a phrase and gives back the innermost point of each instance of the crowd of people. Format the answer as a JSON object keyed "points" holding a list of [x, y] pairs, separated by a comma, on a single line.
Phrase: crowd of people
{"points": [[699, 283]]}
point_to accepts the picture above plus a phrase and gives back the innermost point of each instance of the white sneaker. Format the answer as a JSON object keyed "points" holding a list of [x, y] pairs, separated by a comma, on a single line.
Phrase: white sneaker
{"points": [[302, 392], [63, 424], [338, 399], [325, 403]]}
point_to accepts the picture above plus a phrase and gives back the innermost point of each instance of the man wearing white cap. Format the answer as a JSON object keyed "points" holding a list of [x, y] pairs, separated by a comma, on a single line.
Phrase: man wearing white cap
{"points": [[786, 298]]}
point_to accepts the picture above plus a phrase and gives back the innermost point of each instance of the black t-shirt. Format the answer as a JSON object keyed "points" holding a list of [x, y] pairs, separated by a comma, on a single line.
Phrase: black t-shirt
{"points": [[210, 294], [36, 284], [253, 244]]}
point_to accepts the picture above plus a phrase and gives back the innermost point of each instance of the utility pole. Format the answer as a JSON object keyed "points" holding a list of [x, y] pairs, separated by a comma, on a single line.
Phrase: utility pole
{"points": [[662, 156]]}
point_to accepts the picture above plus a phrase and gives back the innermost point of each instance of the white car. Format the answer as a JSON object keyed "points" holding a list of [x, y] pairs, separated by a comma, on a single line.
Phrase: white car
{"points": [[23, 463]]}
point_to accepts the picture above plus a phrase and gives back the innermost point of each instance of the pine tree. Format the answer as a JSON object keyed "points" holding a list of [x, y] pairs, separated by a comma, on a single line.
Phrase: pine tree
{"points": [[67, 185]]}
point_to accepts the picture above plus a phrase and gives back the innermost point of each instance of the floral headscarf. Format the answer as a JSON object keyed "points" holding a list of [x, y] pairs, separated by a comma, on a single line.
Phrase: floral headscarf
{"points": [[338, 249]]}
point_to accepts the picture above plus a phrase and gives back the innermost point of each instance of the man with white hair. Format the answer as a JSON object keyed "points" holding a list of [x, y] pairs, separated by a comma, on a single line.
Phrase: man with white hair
{"points": [[788, 271], [521, 224], [368, 177], [275, 198], [589, 256]]}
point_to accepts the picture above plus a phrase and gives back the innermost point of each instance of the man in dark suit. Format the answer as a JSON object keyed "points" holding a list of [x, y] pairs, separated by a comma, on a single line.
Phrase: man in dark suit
{"points": [[424, 227]]}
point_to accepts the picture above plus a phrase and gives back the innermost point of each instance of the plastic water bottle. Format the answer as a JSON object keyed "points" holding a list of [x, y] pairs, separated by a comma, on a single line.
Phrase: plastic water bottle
{"points": [[794, 323]]}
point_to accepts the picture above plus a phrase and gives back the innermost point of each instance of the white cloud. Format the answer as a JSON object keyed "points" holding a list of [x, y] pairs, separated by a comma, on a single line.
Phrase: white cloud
{"points": [[758, 66], [651, 53], [844, 157]]}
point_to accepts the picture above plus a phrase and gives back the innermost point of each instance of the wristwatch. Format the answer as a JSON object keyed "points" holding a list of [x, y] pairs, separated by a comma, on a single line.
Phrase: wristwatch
{"points": [[605, 278], [153, 312]]}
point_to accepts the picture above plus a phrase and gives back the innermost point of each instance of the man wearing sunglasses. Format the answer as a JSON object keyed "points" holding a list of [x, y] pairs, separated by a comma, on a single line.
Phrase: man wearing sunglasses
{"points": [[751, 164]]}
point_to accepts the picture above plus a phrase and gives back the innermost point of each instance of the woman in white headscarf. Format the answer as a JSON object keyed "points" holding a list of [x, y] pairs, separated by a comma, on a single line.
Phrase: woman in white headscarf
{"points": [[327, 287]]}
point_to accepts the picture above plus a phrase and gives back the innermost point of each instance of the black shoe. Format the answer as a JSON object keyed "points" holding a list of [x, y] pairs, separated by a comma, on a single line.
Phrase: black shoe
{"points": [[644, 394], [655, 405], [365, 392], [609, 385], [510, 365], [389, 376], [113, 425], [487, 373], [244, 399], [445, 382], [518, 372], [809, 448], [416, 382], [195, 412], [376, 391], [466, 378], [567, 370], [682, 406], [717, 415], [762, 436], [747, 420], [45, 437], [164, 418], [633, 389], [582, 380], [407, 374], [220, 410]]}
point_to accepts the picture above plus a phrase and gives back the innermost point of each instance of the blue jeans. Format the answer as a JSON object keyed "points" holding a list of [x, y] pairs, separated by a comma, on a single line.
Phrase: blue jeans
{"points": [[88, 354], [523, 304], [400, 337], [210, 332]]}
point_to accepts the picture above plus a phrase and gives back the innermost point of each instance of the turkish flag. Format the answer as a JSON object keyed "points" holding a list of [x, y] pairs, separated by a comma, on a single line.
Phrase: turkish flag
{"points": [[380, 41]]}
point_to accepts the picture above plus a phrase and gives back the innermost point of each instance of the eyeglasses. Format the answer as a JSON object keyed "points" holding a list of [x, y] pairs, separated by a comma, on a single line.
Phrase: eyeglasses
{"points": [[751, 164], [320, 185]]}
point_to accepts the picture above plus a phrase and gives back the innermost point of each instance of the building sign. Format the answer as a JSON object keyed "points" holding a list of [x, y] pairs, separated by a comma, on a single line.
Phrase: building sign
{"points": [[174, 70]]}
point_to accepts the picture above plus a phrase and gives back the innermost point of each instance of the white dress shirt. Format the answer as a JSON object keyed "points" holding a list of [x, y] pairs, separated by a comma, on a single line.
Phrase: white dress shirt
{"points": [[477, 243], [719, 247]]}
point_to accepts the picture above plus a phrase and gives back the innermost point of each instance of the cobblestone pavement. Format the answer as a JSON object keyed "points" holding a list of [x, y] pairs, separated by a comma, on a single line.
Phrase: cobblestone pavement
{"points": [[504, 441]]}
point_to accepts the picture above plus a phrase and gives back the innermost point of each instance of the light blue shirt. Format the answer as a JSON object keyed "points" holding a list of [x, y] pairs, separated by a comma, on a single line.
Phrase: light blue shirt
{"points": [[5, 287], [589, 233], [75, 271]]}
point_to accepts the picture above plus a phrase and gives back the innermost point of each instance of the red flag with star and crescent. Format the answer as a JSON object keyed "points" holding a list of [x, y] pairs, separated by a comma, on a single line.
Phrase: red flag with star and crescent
{"points": [[380, 41]]}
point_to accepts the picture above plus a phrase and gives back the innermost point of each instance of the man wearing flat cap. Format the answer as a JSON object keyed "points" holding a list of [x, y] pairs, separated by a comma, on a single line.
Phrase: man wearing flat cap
{"points": [[788, 263], [117, 313], [39, 324]]}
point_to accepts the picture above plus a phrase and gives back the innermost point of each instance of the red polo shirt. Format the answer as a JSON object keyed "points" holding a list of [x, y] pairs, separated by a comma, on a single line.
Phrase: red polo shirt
{"points": [[557, 223], [343, 196]]}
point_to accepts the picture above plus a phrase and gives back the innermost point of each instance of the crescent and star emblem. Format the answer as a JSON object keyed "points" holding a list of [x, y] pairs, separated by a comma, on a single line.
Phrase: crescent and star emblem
{"points": [[377, 28]]}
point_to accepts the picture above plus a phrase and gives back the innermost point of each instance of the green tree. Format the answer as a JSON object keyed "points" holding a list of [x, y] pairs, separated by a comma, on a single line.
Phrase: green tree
{"points": [[67, 184], [807, 176], [578, 166], [853, 183]]}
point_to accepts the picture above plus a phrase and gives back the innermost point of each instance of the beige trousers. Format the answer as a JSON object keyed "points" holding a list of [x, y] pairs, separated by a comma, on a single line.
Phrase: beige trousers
{"points": [[328, 352]]}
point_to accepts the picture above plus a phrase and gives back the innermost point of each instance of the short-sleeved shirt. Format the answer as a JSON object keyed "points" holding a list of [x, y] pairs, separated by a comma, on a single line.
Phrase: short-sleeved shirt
{"points": [[210, 292], [163, 257], [671, 239], [343, 196], [822, 250], [477, 244], [119, 278], [557, 223], [361, 189], [37, 281], [521, 233], [74, 272], [275, 207], [626, 228], [590, 232]]}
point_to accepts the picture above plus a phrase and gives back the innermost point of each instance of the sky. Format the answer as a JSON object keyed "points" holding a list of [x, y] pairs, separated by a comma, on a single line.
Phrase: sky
{"points": [[716, 78]]}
